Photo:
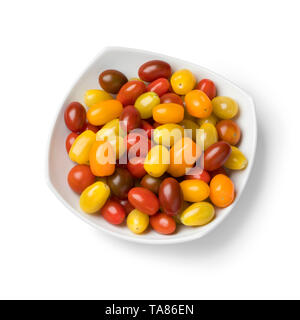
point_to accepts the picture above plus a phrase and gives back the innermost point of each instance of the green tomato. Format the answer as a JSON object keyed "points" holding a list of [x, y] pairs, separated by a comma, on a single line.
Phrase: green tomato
{"points": [[145, 103]]}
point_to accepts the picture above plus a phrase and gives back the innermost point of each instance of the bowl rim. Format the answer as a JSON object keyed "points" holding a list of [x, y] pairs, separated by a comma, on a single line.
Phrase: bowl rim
{"points": [[139, 238]]}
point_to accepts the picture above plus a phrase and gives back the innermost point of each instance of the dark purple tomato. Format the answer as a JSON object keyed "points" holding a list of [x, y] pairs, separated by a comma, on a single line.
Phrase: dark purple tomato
{"points": [[216, 155], [151, 183], [170, 196], [75, 116], [113, 212], [130, 118], [120, 183], [154, 69], [171, 98], [144, 200], [112, 80], [130, 92]]}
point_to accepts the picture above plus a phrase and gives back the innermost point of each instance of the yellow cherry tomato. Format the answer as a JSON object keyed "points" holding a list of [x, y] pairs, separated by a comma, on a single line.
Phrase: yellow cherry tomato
{"points": [[94, 197], [198, 104], [113, 133], [213, 119], [111, 129], [208, 135], [168, 134], [145, 104], [198, 214], [190, 125], [225, 107], [183, 156], [81, 147], [168, 113], [157, 161], [104, 111], [194, 190], [102, 159], [94, 96], [137, 221], [236, 160], [183, 81]]}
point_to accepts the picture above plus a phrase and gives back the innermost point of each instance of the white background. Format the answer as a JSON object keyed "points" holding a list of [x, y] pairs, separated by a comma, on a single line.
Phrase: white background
{"points": [[46, 252]]}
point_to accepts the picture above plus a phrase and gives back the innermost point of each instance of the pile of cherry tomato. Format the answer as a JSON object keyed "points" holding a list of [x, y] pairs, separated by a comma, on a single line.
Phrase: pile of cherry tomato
{"points": [[152, 176]]}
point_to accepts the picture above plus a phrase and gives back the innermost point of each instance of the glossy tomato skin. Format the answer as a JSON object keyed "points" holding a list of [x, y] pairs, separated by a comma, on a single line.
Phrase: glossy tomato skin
{"points": [[120, 183], [136, 167], [144, 200], [113, 212], [170, 196], [151, 183], [112, 80], [154, 69], [208, 87], [221, 191], [198, 173], [80, 177], [147, 127], [168, 113], [229, 131], [130, 92], [130, 118], [159, 86], [162, 223], [198, 104], [171, 98], [75, 116], [124, 203], [70, 140], [216, 155]]}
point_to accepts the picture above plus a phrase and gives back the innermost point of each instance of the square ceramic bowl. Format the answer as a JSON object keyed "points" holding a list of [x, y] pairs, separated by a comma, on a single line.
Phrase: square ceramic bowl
{"points": [[128, 62]]}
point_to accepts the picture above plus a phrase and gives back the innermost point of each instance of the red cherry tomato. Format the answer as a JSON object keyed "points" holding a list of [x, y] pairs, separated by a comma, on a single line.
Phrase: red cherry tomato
{"points": [[70, 140], [198, 173], [170, 196], [208, 87], [162, 223], [156, 124], [75, 116], [125, 204], [130, 118], [80, 177], [159, 86], [130, 92], [146, 126], [138, 144], [171, 98], [154, 69], [144, 200], [216, 155], [136, 167], [113, 212]]}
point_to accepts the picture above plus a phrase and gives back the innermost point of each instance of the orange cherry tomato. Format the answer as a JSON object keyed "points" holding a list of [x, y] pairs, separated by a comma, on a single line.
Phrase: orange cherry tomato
{"points": [[162, 223], [208, 87], [229, 131], [104, 111], [168, 113], [221, 191], [183, 156], [102, 159], [198, 104]]}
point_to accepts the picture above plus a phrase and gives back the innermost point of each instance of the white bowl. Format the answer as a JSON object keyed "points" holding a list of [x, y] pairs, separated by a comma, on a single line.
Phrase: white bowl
{"points": [[128, 62]]}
